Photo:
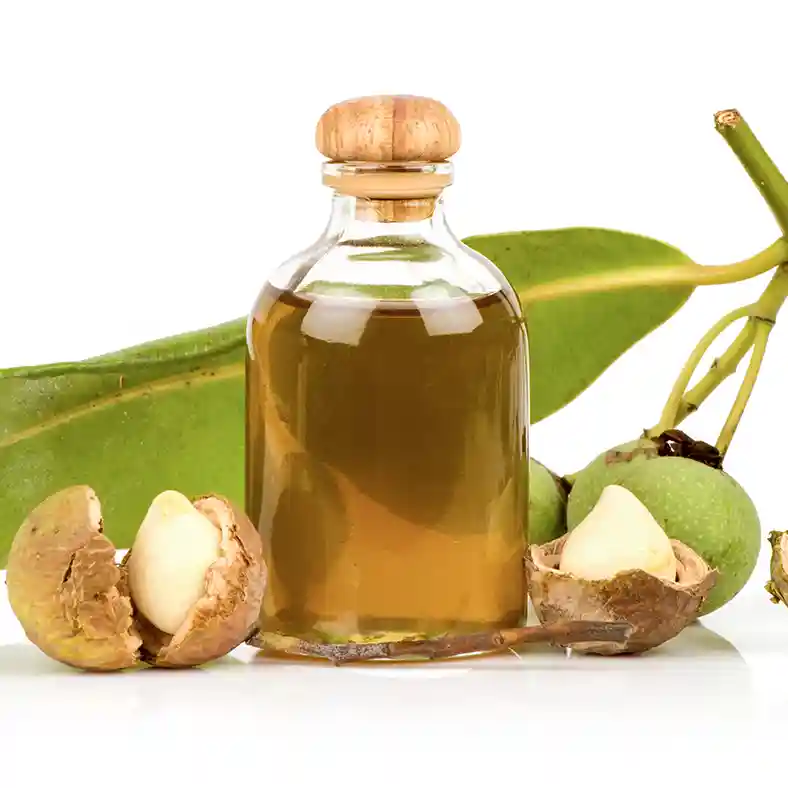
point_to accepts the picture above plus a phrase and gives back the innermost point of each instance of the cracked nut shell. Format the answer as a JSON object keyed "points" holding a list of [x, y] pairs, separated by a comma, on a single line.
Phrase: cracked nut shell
{"points": [[656, 609], [227, 613], [73, 600], [65, 588]]}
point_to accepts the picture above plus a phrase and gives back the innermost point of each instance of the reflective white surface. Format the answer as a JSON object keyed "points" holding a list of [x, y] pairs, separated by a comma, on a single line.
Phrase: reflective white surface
{"points": [[708, 703]]}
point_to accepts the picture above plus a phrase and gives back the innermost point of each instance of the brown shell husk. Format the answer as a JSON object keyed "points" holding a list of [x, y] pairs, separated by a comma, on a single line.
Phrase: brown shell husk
{"points": [[778, 584], [65, 588], [656, 609], [228, 611]]}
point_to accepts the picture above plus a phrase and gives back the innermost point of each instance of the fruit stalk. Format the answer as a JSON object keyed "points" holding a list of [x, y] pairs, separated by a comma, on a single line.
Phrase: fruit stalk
{"points": [[726, 364], [721, 369], [670, 413], [564, 634], [743, 395], [763, 317]]}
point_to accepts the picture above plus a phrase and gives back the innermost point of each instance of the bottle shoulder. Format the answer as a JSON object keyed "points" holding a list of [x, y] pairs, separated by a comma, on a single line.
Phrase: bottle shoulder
{"points": [[388, 268], [355, 319]]}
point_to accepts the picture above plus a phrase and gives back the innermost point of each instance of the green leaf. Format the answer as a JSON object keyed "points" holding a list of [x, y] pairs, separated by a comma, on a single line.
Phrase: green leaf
{"points": [[169, 414], [164, 415], [575, 339]]}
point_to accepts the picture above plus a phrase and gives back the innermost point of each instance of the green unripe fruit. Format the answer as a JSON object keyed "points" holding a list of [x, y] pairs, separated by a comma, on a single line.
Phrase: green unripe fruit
{"points": [[546, 505], [699, 505]]}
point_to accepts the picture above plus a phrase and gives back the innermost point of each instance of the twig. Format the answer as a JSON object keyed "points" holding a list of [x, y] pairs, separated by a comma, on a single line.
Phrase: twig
{"points": [[564, 635]]}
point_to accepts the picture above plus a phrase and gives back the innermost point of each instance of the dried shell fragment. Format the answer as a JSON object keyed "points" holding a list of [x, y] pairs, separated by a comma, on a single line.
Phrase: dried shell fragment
{"points": [[778, 584], [65, 588], [656, 609]]}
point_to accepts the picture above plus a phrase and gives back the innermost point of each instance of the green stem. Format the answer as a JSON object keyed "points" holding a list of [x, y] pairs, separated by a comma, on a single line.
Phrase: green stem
{"points": [[745, 390], [763, 315], [668, 420], [760, 318], [687, 275], [761, 169], [774, 190], [721, 369], [771, 301]]}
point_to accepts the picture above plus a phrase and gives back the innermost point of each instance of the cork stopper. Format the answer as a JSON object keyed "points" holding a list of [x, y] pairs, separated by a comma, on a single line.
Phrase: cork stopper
{"points": [[388, 129], [389, 151]]}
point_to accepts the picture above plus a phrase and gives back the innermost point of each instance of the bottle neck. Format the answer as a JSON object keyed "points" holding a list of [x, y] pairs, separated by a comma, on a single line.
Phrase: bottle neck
{"points": [[415, 220], [389, 191], [414, 209], [387, 199], [405, 216]]}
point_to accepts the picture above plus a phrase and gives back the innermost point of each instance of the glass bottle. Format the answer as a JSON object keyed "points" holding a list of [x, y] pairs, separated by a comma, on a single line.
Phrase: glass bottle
{"points": [[387, 403]]}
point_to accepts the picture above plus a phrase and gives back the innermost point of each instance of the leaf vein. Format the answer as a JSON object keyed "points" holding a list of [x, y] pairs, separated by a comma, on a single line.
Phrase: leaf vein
{"points": [[225, 372]]}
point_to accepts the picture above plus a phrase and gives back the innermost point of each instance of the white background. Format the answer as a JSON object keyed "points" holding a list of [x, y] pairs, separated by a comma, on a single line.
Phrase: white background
{"points": [[157, 160]]}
